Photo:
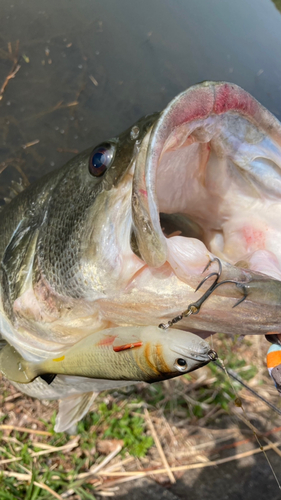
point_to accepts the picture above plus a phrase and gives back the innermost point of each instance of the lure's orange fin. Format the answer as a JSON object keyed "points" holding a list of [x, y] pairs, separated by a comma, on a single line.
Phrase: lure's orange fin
{"points": [[126, 340], [124, 347]]}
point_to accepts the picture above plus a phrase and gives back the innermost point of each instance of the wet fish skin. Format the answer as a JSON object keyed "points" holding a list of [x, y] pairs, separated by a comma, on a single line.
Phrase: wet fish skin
{"points": [[146, 354]]}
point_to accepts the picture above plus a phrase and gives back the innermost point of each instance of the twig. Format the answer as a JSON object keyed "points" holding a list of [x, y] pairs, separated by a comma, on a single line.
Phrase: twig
{"points": [[274, 446], [118, 481], [16, 475], [119, 464], [12, 440], [83, 475], [10, 460], [47, 488], [29, 144], [93, 80], [95, 469], [12, 74], [12, 397], [27, 477], [159, 447], [106, 493], [5, 427], [65, 447], [51, 449], [43, 446]]}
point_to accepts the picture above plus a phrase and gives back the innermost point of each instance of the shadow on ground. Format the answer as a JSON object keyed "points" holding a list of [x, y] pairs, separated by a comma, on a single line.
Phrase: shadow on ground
{"points": [[247, 479]]}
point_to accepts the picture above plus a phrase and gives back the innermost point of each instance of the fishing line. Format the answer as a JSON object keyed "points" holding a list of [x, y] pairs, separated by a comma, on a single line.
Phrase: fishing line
{"points": [[238, 403], [236, 377]]}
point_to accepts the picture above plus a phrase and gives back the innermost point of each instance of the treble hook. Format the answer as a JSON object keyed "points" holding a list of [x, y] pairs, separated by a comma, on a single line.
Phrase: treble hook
{"points": [[194, 308], [238, 284], [218, 274]]}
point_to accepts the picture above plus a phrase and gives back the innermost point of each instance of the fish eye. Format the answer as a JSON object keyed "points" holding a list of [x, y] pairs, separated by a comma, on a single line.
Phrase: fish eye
{"points": [[181, 364], [100, 159]]}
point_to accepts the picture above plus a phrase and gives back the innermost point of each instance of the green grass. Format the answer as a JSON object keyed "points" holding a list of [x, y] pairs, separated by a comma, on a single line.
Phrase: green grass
{"points": [[128, 428], [110, 421]]}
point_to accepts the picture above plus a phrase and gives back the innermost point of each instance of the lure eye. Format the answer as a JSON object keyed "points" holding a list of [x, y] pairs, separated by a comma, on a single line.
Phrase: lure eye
{"points": [[181, 364], [101, 159]]}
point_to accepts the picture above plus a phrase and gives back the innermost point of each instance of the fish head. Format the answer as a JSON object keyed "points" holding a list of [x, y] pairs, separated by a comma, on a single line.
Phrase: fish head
{"points": [[82, 246], [170, 353], [185, 352]]}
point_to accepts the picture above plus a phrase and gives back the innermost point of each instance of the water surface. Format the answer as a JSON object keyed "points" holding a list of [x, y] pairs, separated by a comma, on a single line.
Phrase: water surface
{"points": [[89, 69]]}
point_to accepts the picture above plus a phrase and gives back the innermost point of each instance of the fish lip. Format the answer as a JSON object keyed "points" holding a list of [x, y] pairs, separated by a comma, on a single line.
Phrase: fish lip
{"points": [[147, 182], [150, 241]]}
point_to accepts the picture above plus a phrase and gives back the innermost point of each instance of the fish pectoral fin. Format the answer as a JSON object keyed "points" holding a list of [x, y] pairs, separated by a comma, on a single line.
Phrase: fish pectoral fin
{"points": [[72, 409]]}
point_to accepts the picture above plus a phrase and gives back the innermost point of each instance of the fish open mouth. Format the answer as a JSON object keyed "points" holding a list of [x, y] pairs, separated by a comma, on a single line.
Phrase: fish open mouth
{"points": [[208, 181]]}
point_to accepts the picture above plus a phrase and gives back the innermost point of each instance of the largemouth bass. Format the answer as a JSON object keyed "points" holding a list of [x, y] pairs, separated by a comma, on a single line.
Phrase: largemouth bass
{"points": [[120, 235], [124, 353]]}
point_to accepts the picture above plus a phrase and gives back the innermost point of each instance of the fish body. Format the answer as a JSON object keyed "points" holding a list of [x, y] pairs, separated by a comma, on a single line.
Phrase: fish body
{"points": [[85, 248], [146, 354]]}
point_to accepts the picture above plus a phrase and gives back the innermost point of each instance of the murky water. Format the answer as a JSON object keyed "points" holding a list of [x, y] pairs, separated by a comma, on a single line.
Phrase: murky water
{"points": [[89, 69]]}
